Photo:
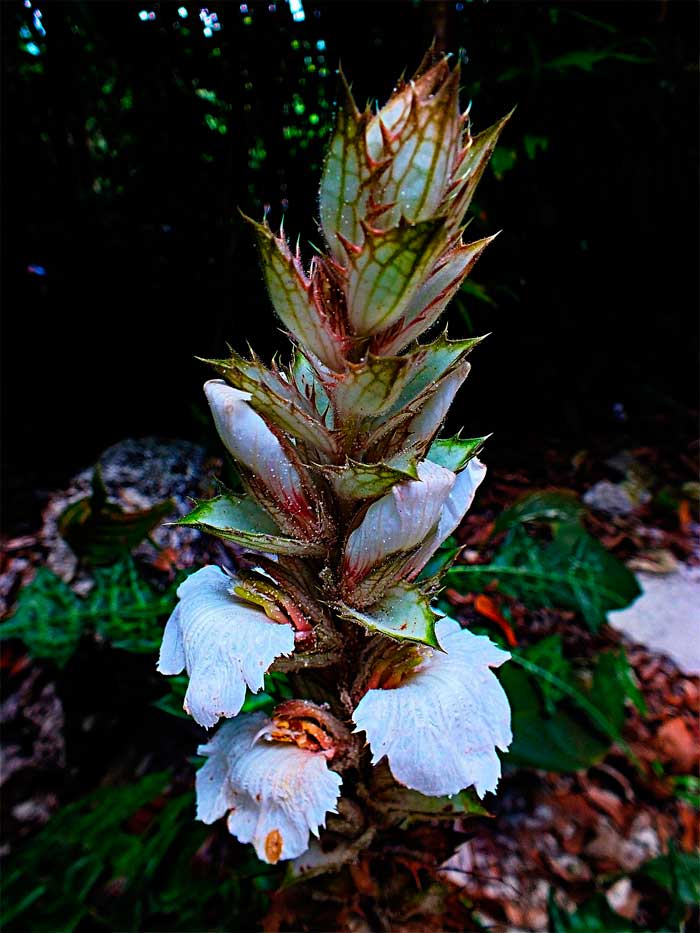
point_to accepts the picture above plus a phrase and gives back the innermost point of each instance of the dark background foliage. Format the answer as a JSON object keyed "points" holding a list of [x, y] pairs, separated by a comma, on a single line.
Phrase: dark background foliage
{"points": [[133, 132]]}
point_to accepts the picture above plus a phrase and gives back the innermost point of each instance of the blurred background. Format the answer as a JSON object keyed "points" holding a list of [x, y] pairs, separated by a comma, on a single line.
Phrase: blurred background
{"points": [[133, 134]]}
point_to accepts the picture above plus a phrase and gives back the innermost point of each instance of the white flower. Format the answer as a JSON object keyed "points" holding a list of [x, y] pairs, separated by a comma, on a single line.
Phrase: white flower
{"points": [[275, 793], [440, 728], [223, 642], [424, 510], [399, 521], [253, 445], [453, 511]]}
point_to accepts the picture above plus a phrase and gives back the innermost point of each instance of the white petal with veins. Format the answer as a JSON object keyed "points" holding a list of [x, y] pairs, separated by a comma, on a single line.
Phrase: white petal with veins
{"points": [[224, 643], [440, 728], [275, 793], [400, 520]]}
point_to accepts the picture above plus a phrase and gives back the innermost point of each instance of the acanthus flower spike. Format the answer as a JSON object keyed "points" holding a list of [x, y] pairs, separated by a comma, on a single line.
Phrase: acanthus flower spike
{"points": [[349, 495]]}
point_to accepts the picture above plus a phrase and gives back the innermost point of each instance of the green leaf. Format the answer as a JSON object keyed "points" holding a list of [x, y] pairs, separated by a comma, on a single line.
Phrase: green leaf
{"points": [[429, 364], [548, 655], [478, 291], [593, 916], [573, 571], [441, 561], [534, 144], [241, 519], [586, 59], [47, 618], [292, 297], [613, 684], [546, 505], [480, 151], [541, 728], [454, 453], [345, 183], [432, 297], [678, 873], [171, 702], [385, 273], [409, 806], [355, 481], [311, 387], [277, 399], [423, 123], [561, 742], [122, 608], [687, 787], [403, 613], [101, 531], [398, 804], [368, 389]]}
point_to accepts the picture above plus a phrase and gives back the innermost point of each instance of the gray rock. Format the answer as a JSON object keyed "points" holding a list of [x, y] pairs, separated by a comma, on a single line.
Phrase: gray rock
{"points": [[666, 617]]}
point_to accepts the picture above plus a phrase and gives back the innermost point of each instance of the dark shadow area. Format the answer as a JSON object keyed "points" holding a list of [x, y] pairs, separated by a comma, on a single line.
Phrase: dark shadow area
{"points": [[130, 142]]}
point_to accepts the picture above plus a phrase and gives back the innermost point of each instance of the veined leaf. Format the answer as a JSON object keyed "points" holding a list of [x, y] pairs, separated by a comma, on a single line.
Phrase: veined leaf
{"points": [[434, 406], [369, 388], [403, 613], [455, 452], [593, 916], [471, 168], [345, 184], [432, 297], [292, 298], [430, 363], [573, 571], [386, 271], [242, 520], [355, 481], [277, 400], [547, 505], [413, 427], [418, 130], [310, 386]]}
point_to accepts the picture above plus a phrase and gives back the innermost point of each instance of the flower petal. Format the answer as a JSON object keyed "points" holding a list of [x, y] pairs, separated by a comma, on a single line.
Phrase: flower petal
{"points": [[440, 728], [427, 423], [224, 644], [250, 441], [453, 511], [399, 521], [277, 793]]}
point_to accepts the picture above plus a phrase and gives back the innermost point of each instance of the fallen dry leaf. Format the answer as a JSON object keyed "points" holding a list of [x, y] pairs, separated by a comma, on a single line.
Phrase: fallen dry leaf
{"points": [[487, 607], [678, 746]]}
